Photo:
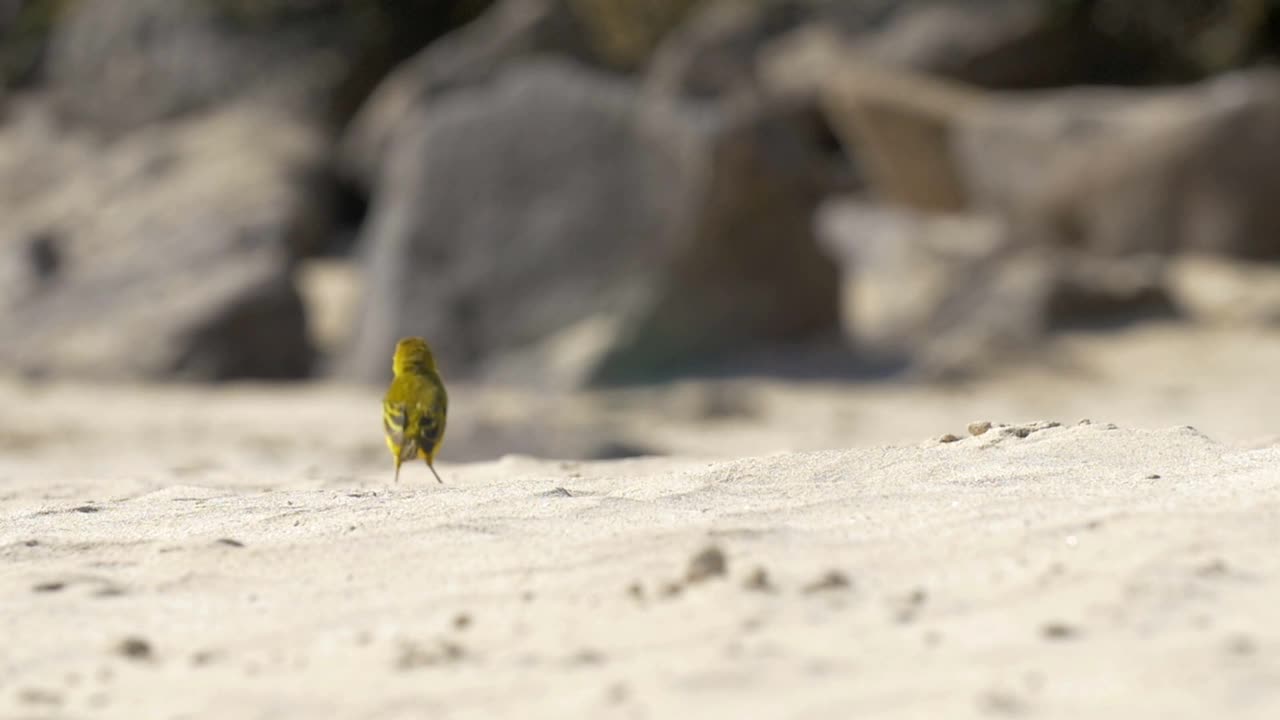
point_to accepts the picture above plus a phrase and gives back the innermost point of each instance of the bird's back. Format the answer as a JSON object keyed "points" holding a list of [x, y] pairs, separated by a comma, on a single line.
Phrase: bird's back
{"points": [[414, 412]]}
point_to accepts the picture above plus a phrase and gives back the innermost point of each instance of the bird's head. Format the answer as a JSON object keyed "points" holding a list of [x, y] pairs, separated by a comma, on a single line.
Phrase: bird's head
{"points": [[413, 354]]}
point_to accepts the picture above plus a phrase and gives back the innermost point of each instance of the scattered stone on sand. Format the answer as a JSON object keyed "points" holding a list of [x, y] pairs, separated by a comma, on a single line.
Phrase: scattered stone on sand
{"points": [[672, 589], [636, 590], [200, 658], [461, 621], [908, 607], [1023, 430], [413, 656], [49, 587], [979, 427], [39, 696], [1059, 631], [618, 693], [109, 590], [587, 656], [948, 438], [230, 542], [758, 581], [1242, 645], [1002, 702], [708, 563], [1216, 567], [832, 580], [135, 648]]}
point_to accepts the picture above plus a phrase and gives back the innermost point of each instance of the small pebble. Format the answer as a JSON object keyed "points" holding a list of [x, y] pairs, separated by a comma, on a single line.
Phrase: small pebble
{"points": [[832, 580], [1058, 631], [201, 658], [980, 427], [135, 648], [758, 581], [1000, 702], [587, 656], [948, 438], [706, 564], [1241, 645], [39, 696]]}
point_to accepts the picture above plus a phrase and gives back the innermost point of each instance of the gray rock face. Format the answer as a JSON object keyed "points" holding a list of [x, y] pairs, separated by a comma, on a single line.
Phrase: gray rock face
{"points": [[156, 256], [116, 65], [470, 56], [556, 198]]}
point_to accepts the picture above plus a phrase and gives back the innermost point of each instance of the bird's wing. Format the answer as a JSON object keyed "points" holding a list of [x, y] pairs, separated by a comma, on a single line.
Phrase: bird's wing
{"points": [[431, 427], [395, 420]]}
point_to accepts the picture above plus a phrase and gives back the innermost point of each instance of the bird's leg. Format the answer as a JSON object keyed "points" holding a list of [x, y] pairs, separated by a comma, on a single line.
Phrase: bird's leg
{"points": [[433, 472], [397, 469]]}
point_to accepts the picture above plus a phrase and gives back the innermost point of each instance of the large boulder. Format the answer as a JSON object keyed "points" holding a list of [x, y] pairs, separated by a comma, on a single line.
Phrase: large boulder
{"points": [[558, 203], [470, 56], [160, 255]]}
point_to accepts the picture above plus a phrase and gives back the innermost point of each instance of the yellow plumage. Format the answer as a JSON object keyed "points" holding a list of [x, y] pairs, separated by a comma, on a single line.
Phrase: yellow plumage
{"points": [[414, 409]]}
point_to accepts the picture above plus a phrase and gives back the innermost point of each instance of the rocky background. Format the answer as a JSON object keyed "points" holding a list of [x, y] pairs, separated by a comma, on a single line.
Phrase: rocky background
{"points": [[585, 193]]}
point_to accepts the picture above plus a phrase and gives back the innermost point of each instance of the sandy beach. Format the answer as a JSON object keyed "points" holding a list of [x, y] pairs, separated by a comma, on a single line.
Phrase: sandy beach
{"points": [[805, 359], [187, 552]]}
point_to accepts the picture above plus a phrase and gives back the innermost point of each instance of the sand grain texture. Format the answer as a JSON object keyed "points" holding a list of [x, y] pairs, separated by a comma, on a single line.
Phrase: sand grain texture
{"points": [[1034, 570]]}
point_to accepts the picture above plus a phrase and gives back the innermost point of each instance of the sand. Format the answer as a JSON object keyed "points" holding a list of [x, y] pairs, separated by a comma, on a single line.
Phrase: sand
{"points": [[240, 552]]}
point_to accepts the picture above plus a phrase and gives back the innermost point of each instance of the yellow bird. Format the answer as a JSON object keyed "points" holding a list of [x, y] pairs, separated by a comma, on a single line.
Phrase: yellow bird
{"points": [[413, 411]]}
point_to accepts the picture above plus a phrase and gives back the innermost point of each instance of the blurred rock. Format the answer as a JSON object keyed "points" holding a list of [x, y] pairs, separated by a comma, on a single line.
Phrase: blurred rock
{"points": [[897, 125], [716, 51], [624, 33], [987, 43], [159, 255], [25, 29], [331, 289], [1220, 291], [934, 291], [1108, 171], [119, 64], [1024, 44], [1157, 41], [468, 57], [1201, 180], [1088, 291], [947, 294], [992, 43], [558, 198]]}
